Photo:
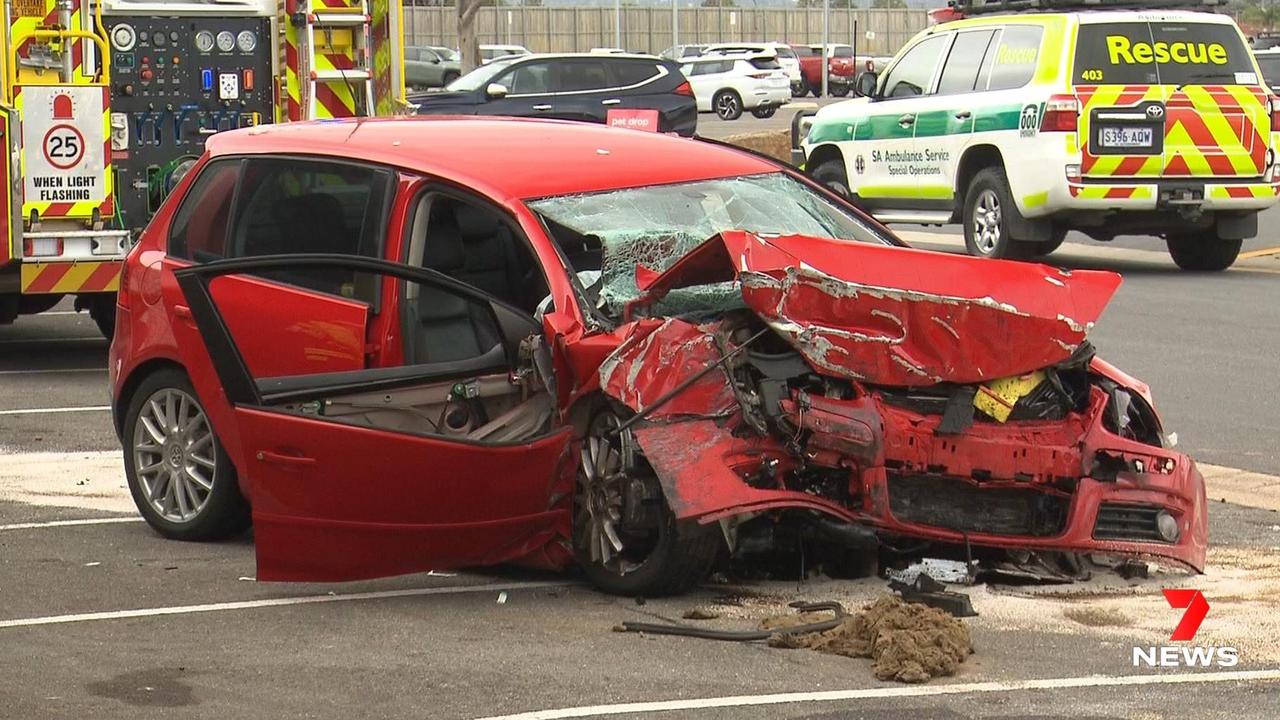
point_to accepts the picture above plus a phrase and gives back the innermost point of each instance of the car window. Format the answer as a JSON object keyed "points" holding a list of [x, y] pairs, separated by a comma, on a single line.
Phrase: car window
{"points": [[199, 229], [1168, 53], [528, 79], [842, 52], [785, 53], [960, 72], [1015, 56], [632, 72], [289, 205], [764, 63], [582, 76], [802, 51], [1270, 65], [911, 75]]}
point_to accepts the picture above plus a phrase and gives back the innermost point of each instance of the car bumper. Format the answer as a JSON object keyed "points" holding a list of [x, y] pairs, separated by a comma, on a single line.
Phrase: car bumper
{"points": [[766, 97], [1161, 195]]}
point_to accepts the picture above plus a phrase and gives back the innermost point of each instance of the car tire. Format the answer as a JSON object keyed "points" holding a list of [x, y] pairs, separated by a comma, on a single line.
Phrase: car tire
{"points": [[816, 90], [1203, 252], [1048, 246], [840, 91], [799, 90], [171, 454], [667, 558], [832, 175], [448, 78], [988, 206], [765, 112], [727, 105]]}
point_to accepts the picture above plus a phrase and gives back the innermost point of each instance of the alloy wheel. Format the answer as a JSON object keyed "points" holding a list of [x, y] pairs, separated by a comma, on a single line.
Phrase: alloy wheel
{"points": [[605, 474], [175, 455], [987, 220], [727, 106]]}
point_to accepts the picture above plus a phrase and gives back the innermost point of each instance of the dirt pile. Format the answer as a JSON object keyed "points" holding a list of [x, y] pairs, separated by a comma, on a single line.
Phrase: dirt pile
{"points": [[909, 643]]}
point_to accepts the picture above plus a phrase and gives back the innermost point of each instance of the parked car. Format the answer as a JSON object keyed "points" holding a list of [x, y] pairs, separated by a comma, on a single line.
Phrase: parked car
{"points": [[405, 344], [425, 68], [1269, 63], [571, 87], [786, 58], [679, 52], [489, 53], [446, 53], [1160, 125], [729, 84], [840, 68]]}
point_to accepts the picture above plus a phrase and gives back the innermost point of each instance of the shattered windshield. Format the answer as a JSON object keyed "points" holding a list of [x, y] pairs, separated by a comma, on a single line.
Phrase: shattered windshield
{"points": [[605, 236]]}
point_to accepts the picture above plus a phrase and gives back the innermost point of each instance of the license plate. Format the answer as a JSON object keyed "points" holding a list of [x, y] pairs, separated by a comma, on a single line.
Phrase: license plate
{"points": [[1127, 137]]}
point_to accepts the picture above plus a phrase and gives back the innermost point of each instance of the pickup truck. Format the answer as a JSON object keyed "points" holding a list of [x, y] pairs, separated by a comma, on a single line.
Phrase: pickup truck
{"points": [[840, 65]]}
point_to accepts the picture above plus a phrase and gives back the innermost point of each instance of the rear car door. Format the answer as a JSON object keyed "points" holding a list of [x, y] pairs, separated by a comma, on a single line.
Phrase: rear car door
{"points": [[582, 87], [945, 130], [530, 91], [448, 459], [1173, 98]]}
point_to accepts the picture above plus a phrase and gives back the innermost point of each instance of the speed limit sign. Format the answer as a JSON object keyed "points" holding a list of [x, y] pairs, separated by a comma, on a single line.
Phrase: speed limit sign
{"points": [[63, 144]]}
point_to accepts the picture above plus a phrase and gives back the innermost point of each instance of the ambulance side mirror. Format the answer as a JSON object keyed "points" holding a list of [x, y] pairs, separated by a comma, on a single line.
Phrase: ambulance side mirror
{"points": [[865, 85]]}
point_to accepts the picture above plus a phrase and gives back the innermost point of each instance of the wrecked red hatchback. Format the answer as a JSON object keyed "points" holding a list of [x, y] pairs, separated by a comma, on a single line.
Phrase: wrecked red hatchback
{"points": [[654, 355]]}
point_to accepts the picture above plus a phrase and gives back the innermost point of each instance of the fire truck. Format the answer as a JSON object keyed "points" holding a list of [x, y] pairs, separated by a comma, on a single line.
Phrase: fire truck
{"points": [[104, 106]]}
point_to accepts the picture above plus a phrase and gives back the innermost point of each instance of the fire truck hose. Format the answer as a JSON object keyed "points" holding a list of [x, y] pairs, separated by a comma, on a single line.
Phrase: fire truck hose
{"points": [[745, 635]]}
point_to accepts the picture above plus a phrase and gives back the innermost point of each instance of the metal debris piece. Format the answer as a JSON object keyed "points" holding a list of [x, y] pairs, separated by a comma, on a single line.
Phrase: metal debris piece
{"points": [[927, 591], [956, 572]]}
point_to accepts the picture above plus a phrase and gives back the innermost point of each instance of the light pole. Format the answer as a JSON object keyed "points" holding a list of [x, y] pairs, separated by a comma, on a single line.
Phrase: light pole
{"points": [[617, 23], [675, 24], [826, 43]]}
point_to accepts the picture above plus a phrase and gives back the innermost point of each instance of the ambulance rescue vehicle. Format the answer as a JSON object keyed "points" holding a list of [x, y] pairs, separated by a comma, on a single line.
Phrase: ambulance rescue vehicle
{"points": [[1023, 126], [104, 107]]}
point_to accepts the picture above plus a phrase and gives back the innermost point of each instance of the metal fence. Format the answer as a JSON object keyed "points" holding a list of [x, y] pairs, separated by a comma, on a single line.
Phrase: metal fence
{"points": [[648, 29]]}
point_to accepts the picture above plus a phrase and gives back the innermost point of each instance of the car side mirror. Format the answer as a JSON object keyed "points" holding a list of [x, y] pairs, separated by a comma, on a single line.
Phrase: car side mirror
{"points": [[865, 85], [496, 90]]}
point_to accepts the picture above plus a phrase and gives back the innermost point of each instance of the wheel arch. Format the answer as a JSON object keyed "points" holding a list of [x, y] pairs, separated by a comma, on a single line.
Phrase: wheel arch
{"points": [[975, 159], [823, 153], [139, 373]]}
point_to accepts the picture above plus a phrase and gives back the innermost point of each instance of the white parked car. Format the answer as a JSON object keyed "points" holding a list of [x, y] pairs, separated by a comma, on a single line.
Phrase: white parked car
{"points": [[489, 53], [729, 84], [786, 58]]}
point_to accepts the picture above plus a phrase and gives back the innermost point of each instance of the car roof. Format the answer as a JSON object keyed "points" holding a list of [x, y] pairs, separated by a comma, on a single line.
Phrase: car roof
{"points": [[593, 56], [506, 158], [1088, 17]]}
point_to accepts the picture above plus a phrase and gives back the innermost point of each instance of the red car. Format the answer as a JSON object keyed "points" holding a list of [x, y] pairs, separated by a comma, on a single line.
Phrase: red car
{"points": [[414, 344]]}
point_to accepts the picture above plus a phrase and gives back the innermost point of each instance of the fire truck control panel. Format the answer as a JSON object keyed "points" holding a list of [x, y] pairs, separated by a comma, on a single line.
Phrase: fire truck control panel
{"points": [[175, 82]]}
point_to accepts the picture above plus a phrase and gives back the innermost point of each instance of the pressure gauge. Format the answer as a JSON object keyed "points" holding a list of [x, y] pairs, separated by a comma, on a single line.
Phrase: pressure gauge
{"points": [[246, 41], [204, 41], [159, 39], [123, 37], [226, 41]]}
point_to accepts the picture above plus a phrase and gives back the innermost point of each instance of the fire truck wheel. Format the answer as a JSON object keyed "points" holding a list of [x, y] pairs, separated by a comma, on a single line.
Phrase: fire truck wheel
{"points": [[181, 479], [103, 312]]}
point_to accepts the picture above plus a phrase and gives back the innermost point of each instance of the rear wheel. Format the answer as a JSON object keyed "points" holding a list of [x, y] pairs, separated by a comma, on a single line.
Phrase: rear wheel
{"points": [[988, 209], [798, 90], [1203, 251], [816, 90], [727, 104], [840, 90], [180, 477], [625, 536], [764, 112]]}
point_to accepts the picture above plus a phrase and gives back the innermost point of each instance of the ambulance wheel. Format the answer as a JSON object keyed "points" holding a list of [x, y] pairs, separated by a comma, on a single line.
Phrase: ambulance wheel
{"points": [[764, 111], [832, 175], [181, 479], [1203, 251], [1048, 246], [727, 104], [988, 207]]}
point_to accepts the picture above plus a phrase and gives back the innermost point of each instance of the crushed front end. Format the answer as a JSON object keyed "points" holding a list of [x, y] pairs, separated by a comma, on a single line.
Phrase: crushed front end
{"points": [[874, 406]]}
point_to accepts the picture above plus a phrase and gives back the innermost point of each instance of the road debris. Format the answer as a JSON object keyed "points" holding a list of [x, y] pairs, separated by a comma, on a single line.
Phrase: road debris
{"points": [[927, 591], [908, 642]]}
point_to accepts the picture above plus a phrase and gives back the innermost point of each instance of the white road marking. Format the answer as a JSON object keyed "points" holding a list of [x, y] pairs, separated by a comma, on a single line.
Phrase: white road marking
{"points": [[891, 692], [271, 602], [8, 341], [46, 411], [57, 370], [70, 523]]}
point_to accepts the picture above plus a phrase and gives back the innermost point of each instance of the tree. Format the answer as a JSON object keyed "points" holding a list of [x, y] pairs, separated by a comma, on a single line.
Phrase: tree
{"points": [[468, 44], [1264, 14]]}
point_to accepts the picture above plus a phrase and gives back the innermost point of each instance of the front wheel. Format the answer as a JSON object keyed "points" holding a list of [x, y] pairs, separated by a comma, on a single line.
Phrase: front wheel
{"points": [[798, 90], [840, 90], [449, 78], [180, 477], [832, 175], [764, 112], [727, 104], [1204, 251], [988, 209], [625, 536]]}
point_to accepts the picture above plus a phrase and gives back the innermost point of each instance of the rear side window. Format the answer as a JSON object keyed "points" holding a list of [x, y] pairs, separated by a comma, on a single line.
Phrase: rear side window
{"points": [[529, 79], [1161, 53], [912, 73], [1014, 60], [199, 229], [785, 53], [960, 73], [765, 63], [578, 76], [627, 73]]}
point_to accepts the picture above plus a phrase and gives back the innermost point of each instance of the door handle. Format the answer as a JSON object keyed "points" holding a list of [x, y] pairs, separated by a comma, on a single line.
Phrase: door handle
{"points": [[541, 107], [907, 119], [289, 461], [610, 101], [964, 115], [184, 314]]}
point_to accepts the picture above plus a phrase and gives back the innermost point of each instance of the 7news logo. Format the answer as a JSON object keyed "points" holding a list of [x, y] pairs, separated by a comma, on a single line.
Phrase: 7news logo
{"points": [[1183, 655]]}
